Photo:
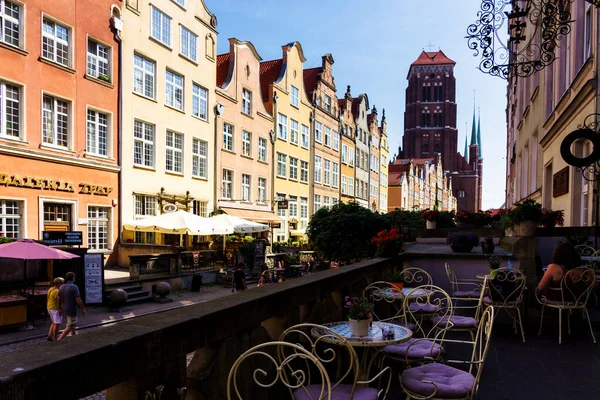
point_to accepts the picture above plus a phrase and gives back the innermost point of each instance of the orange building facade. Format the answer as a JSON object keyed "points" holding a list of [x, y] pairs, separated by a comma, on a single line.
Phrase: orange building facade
{"points": [[59, 121]]}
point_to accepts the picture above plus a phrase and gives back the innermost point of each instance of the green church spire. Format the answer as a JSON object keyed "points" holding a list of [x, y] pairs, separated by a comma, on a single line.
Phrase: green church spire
{"points": [[473, 129], [466, 153], [479, 133]]}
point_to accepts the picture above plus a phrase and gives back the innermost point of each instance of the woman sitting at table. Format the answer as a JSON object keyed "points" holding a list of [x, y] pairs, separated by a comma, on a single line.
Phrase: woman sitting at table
{"points": [[564, 258]]}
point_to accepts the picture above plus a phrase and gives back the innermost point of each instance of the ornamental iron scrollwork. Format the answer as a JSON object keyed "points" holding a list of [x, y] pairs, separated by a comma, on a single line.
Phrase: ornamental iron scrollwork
{"points": [[518, 37], [589, 166]]}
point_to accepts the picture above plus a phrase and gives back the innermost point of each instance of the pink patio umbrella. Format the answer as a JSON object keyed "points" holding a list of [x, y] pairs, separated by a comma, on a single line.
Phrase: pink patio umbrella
{"points": [[27, 249]]}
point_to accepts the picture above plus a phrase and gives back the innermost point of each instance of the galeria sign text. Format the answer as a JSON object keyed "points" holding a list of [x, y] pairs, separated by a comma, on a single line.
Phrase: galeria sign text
{"points": [[50, 184]]}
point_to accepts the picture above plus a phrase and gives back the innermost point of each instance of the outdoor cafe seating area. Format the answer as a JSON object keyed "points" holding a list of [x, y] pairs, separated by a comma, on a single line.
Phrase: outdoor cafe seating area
{"points": [[418, 341]]}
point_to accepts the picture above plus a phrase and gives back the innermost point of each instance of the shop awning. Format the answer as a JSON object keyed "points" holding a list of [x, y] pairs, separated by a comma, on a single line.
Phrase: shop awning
{"points": [[298, 232], [253, 215]]}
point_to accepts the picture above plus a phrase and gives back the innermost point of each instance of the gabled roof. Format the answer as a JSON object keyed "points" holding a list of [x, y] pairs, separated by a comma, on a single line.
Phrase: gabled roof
{"points": [[432, 58], [269, 72], [222, 68], [421, 161], [395, 178], [311, 76]]}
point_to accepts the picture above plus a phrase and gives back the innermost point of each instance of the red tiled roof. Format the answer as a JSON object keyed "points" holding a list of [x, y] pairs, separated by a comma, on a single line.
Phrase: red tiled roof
{"points": [[394, 178], [311, 75], [399, 167], [421, 161], [222, 68], [432, 58], [269, 72]]}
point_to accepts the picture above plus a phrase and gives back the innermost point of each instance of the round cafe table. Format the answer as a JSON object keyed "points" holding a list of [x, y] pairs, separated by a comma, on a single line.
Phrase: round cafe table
{"points": [[374, 341], [406, 291]]}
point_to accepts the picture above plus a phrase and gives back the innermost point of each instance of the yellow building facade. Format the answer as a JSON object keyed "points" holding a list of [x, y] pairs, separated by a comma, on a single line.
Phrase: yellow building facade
{"points": [[542, 110], [284, 96], [168, 111], [348, 150], [325, 143]]}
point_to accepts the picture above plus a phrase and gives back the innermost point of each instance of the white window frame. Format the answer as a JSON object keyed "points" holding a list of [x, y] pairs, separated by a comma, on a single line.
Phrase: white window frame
{"points": [[328, 104], [335, 174], [97, 126], [199, 102], [293, 168], [294, 96], [227, 184], [98, 64], [20, 206], [199, 158], [304, 171], [246, 143], [262, 190], [350, 156], [326, 202], [327, 136], [173, 152], [246, 101], [318, 171], [350, 186], [344, 185], [326, 172], [96, 221], [281, 165], [6, 18], [344, 154], [262, 149], [293, 207], [318, 132], [228, 136], [145, 143], [305, 136], [172, 88], [145, 203], [246, 188], [188, 43], [282, 126], [53, 41], [336, 140], [54, 115], [587, 32], [162, 32], [294, 131], [317, 202], [147, 73], [5, 104], [303, 212]]}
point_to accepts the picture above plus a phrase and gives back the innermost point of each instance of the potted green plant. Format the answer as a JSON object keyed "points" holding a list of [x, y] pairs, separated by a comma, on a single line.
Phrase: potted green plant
{"points": [[551, 218], [494, 263], [463, 241], [524, 218], [359, 315], [487, 245], [431, 218], [397, 280]]}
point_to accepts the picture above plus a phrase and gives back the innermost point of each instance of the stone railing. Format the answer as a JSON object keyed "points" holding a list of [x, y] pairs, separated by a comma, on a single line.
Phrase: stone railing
{"points": [[133, 356]]}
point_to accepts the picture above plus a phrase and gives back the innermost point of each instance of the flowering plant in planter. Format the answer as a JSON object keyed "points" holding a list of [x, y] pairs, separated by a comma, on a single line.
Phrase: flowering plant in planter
{"points": [[462, 241], [494, 262], [477, 218], [551, 218], [359, 308], [389, 243], [430, 215]]}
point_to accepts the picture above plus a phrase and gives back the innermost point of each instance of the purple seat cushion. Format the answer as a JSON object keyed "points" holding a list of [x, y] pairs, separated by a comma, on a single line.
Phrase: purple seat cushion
{"points": [[341, 392], [451, 383], [489, 301], [423, 308], [469, 294], [407, 325], [422, 349], [458, 321]]}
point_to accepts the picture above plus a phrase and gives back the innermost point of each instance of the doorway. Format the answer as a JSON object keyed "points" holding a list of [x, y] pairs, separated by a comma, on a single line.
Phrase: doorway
{"points": [[57, 217]]}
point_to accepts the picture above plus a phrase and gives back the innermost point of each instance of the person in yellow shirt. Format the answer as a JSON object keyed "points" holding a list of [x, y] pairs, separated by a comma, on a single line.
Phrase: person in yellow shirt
{"points": [[54, 309]]}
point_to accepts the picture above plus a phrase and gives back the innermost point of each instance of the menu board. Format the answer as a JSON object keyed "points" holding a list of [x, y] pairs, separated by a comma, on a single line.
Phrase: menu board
{"points": [[92, 264]]}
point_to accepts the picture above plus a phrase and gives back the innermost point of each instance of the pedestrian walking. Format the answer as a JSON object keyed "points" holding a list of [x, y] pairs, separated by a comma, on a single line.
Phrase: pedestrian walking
{"points": [[239, 279], [54, 309], [69, 298]]}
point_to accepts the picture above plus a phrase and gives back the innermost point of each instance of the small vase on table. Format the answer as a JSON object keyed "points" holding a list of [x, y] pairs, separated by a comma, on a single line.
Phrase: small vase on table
{"points": [[359, 327]]}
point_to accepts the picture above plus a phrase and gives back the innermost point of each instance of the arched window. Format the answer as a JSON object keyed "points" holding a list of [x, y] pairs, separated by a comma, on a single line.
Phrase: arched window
{"points": [[210, 47], [436, 148]]}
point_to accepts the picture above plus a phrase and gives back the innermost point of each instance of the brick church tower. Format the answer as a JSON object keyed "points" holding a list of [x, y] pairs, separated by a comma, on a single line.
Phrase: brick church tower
{"points": [[430, 127]]}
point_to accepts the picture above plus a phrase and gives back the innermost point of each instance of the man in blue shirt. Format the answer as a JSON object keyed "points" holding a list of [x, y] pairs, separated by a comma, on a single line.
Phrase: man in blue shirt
{"points": [[69, 298]]}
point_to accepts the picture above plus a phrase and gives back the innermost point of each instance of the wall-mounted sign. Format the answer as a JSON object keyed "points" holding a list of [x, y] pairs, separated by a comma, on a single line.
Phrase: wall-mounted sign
{"points": [[282, 204], [169, 208], [35, 183], [560, 182], [87, 188], [55, 238], [93, 271]]}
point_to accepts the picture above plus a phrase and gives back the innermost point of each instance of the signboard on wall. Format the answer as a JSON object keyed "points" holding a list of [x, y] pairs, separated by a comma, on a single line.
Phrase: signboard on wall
{"points": [[57, 238], [92, 264], [560, 182], [282, 204]]}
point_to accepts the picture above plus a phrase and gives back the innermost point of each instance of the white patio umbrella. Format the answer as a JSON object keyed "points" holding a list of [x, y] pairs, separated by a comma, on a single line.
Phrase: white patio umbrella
{"points": [[236, 224], [179, 222]]}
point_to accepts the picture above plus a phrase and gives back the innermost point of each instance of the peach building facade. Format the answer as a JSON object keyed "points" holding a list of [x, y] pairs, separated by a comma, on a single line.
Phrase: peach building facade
{"points": [[347, 157], [374, 162], [244, 184], [59, 133]]}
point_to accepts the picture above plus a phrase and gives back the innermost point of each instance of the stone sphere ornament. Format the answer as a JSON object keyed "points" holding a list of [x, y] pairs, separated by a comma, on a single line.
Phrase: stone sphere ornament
{"points": [[118, 297], [163, 289]]}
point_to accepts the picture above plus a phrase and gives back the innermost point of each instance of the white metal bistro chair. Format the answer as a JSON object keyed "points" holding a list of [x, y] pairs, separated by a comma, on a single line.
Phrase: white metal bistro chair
{"points": [[443, 381], [572, 294], [295, 370], [505, 291], [385, 298], [463, 288], [347, 384]]}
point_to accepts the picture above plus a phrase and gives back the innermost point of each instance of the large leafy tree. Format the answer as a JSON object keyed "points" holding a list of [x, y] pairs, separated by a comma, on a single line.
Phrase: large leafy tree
{"points": [[345, 231]]}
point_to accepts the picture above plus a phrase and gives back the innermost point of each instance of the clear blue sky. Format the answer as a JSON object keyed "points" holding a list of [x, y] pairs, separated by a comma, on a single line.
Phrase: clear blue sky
{"points": [[373, 44]]}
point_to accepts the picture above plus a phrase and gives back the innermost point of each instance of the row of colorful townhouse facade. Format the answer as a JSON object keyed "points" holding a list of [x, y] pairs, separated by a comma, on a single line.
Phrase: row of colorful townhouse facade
{"points": [[121, 110], [420, 184], [547, 106]]}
